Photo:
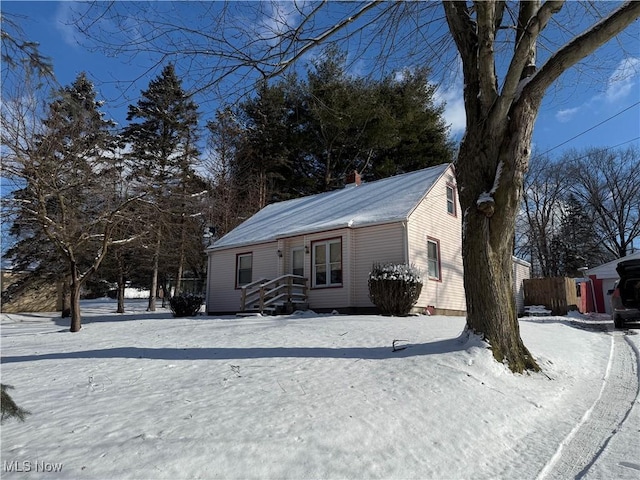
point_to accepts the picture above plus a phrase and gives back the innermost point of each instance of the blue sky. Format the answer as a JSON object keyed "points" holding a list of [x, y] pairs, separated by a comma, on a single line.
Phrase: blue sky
{"points": [[609, 104]]}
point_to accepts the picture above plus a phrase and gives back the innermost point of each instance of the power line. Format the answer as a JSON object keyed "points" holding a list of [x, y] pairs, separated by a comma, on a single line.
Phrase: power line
{"points": [[603, 149], [591, 128]]}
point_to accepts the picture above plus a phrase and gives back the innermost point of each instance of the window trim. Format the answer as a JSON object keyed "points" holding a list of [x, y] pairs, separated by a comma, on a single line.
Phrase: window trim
{"points": [[436, 242], [237, 279], [326, 242], [451, 188]]}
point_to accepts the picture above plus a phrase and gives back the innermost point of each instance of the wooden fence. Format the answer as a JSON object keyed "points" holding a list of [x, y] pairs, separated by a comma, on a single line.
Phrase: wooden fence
{"points": [[557, 294]]}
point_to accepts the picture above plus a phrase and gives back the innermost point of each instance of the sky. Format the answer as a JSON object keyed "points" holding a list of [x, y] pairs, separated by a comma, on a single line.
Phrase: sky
{"points": [[143, 395], [582, 111]]}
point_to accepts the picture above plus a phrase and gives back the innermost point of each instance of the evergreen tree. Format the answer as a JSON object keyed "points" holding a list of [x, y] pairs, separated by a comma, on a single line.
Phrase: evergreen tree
{"points": [[413, 128], [299, 137], [263, 158], [162, 135], [577, 244]]}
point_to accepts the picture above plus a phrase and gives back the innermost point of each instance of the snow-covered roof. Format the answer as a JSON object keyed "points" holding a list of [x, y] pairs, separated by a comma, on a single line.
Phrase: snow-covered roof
{"points": [[383, 201], [608, 270]]}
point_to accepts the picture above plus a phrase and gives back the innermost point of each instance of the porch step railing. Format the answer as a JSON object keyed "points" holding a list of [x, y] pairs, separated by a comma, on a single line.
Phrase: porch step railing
{"points": [[263, 294]]}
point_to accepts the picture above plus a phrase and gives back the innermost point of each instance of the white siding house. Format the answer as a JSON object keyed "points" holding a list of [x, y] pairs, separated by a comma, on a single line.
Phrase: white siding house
{"points": [[521, 272], [603, 279], [334, 238]]}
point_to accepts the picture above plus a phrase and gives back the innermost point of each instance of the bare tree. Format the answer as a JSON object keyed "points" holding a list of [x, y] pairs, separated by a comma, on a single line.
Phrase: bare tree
{"points": [[541, 213], [555, 228], [63, 166], [225, 135], [497, 43], [608, 184]]}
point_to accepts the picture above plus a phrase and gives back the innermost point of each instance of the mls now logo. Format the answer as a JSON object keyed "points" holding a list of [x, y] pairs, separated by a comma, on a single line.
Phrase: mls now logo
{"points": [[28, 466]]}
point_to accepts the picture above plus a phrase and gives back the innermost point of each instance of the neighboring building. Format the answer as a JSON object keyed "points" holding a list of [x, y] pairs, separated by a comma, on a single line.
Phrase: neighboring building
{"points": [[602, 280], [521, 272]]}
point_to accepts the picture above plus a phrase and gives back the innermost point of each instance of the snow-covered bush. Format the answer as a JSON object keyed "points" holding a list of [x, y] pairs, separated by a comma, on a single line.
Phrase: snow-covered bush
{"points": [[185, 305], [394, 288]]}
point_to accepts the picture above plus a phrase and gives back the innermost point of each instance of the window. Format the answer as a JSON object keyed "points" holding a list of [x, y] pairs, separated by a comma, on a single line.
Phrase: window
{"points": [[244, 269], [451, 200], [433, 259], [297, 261], [327, 263]]}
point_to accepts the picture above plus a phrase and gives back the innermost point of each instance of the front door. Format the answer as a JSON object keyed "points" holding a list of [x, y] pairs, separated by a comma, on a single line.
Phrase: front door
{"points": [[297, 261]]}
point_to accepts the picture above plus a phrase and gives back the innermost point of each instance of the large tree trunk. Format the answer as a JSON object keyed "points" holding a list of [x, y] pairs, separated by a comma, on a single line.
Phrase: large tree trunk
{"points": [[76, 319], [178, 288], [490, 169], [66, 299], [153, 292], [180, 271], [121, 287]]}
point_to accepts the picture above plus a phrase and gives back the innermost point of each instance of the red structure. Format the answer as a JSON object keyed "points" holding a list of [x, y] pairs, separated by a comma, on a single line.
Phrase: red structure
{"points": [[587, 292]]}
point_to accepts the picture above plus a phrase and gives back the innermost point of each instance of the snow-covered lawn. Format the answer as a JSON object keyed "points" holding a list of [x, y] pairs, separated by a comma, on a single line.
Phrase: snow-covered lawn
{"points": [[144, 395]]}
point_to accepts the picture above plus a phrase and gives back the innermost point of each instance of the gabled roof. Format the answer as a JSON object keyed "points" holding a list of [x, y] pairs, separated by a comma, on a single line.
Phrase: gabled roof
{"points": [[383, 201], [608, 270]]}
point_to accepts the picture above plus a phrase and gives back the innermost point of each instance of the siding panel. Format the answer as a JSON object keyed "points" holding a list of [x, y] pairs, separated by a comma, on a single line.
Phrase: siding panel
{"points": [[430, 219], [521, 272], [222, 296], [376, 244]]}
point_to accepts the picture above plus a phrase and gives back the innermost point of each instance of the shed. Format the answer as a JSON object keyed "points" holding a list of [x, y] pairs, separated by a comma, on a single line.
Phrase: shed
{"points": [[603, 278]]}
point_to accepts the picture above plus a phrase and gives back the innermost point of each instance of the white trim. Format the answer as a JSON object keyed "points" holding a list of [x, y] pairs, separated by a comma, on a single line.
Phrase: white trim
{"points": [[327, 263]]}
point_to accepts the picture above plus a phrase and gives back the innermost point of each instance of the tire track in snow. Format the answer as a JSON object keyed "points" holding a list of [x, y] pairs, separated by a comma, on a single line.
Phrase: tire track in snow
{"points": [[588, 439]]}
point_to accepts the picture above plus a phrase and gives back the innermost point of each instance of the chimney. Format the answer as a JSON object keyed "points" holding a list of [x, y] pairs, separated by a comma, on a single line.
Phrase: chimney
{"points": [[353, 179]]}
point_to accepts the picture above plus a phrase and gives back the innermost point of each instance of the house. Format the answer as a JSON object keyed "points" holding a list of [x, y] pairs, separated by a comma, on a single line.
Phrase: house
{"points": [[521, 272], [601, 281], [332, 240]]}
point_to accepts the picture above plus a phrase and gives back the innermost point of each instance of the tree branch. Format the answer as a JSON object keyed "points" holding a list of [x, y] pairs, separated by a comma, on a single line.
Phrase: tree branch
{"points": [[582, 46], [524, 52], [463, 28], [486, 54], [313, 42]]}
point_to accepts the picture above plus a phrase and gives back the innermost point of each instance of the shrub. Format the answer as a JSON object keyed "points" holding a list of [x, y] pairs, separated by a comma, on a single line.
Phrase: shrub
{"points": [[185, 305], [394, 288]]}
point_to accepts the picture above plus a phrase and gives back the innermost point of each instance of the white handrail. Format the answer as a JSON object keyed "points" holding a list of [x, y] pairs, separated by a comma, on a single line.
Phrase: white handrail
{"points": [[270, 291]]}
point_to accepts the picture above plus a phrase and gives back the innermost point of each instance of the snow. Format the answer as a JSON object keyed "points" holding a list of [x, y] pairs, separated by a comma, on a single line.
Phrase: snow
{"points": [[387, 200], [391, 271], [144, 395], [487, 197], [484, 197]]}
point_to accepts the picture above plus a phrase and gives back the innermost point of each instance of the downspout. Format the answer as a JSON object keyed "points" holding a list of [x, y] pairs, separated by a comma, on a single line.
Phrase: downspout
{"points": [[593, 294], [405, 242], [206, 293]]}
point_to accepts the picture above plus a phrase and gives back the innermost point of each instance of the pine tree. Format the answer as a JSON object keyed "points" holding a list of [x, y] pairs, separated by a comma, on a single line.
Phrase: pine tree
{"points": [[577, 243], [262, 163], [162, 136], [9, 409]]}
